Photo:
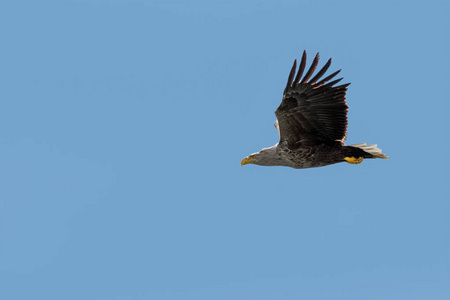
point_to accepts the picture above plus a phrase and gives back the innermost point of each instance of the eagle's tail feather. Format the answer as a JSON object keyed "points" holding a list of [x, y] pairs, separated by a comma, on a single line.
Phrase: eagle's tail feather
{"points": [[371, 149]]}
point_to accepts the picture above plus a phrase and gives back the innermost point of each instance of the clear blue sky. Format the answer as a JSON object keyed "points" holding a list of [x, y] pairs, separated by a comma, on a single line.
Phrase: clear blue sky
{"points": [[122, 128]]}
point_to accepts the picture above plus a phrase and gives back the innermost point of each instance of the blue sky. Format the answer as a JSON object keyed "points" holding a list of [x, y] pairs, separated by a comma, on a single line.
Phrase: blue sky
{"points": [[122, 128]]}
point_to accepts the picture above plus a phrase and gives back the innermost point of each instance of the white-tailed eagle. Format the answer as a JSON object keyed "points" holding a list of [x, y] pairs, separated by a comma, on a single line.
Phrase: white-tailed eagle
{"points": [[312, 123]]}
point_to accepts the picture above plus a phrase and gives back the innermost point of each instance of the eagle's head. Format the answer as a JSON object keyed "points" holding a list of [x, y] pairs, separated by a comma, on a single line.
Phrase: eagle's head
{"points": [[265, 157]]}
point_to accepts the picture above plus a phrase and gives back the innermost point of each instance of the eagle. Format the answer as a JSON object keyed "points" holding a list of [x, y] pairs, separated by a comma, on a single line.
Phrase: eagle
{"points": [[312, 123]]}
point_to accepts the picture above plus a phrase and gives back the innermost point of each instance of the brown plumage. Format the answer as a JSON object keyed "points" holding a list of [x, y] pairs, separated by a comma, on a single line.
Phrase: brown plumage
{"points": [[312, 123]]}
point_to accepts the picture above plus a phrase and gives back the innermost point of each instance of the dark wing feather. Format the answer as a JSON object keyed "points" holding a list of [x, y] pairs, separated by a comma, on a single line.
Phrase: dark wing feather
{"points": [[310, 111], [301, 68], [311, 69]]}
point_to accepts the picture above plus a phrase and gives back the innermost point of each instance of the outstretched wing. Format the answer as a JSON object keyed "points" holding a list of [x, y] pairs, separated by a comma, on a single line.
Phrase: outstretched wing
{"points": [[312, 110]]}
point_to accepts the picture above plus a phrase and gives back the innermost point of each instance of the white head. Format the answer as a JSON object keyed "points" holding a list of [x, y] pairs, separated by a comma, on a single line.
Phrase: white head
{"points": [[265, 157]]}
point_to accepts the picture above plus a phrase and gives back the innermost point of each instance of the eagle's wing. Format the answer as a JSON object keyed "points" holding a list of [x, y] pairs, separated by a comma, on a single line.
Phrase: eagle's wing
{"points": [[312, 111]]}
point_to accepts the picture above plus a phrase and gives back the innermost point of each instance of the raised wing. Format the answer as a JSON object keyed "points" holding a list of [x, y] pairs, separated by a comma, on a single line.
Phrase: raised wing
{"points": [[312, 111]]}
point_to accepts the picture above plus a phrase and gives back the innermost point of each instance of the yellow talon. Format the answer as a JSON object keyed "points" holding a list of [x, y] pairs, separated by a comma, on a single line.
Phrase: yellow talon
{"points": [[354, 160]]}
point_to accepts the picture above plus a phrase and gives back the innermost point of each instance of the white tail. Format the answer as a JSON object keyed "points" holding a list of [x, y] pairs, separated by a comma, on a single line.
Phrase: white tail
{"points": [[371, 149]]}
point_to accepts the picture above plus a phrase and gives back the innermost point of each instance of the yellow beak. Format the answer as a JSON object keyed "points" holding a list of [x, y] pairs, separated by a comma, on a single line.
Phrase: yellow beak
{"points": [[247, 160]]}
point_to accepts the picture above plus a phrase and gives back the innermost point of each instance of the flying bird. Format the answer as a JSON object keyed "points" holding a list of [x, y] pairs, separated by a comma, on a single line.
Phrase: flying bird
{"points": [[312, 123]]}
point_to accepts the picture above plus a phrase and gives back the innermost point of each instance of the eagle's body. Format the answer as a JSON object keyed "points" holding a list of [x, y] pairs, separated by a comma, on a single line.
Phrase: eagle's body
{"points": [[312, 124]]}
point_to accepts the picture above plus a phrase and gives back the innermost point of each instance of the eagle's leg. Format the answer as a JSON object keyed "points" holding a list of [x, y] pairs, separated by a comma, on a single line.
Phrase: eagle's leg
{"points": [[354, 160]]}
